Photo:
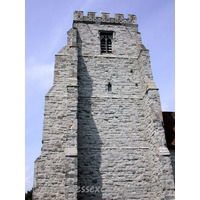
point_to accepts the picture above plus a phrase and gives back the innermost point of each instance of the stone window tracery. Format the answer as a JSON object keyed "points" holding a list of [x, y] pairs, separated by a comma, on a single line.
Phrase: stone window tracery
{"points": [[106, 42]]}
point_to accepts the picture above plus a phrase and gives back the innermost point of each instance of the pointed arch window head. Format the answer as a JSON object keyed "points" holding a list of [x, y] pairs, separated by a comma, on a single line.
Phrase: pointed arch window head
{"points": [[106, 42]]}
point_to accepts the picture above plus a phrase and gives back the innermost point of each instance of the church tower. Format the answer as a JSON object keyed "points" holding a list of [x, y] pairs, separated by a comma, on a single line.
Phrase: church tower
{"points": [[103, 136]]}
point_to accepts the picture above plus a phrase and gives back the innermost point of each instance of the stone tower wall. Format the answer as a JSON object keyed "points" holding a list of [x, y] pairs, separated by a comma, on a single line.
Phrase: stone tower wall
{"points": [[55, 175], [99, 144], [116, 143]]}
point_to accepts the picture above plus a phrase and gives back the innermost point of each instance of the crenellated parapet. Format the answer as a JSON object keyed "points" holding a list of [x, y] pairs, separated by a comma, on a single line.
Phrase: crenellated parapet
{"points": [[105, 18]]}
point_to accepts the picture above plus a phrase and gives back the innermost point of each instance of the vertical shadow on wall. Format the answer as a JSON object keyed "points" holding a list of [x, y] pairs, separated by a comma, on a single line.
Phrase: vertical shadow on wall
{"points": [[89, 142], [169, 126]]}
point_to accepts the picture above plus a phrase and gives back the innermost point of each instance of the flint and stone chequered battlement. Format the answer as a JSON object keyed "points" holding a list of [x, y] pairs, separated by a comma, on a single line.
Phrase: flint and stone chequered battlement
{"points": [[105, 18]]}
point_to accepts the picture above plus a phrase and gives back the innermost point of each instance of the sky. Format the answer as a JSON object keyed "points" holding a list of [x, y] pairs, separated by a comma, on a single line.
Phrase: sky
{"points": [[46, 26]]}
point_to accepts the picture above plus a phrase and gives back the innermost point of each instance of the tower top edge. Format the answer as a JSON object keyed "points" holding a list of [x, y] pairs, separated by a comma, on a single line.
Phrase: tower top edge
{"points": [[105, 17]]}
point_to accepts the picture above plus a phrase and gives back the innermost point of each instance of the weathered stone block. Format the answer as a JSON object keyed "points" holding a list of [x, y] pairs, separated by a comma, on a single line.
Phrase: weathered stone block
{"points": [[71, 151]]}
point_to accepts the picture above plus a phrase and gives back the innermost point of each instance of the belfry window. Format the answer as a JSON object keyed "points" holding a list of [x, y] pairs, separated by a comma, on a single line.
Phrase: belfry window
{"points": [[106, 42]]}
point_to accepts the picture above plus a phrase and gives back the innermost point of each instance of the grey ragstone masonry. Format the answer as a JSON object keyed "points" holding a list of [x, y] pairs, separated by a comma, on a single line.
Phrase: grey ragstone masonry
{"points": [[99, 144]]}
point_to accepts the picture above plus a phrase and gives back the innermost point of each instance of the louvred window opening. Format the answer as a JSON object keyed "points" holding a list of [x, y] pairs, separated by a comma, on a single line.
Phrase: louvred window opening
{"points": [[106, 42]]}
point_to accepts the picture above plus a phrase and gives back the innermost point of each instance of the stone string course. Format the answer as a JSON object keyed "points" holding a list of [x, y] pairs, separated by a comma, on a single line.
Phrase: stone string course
{"points": [[94, 138]]}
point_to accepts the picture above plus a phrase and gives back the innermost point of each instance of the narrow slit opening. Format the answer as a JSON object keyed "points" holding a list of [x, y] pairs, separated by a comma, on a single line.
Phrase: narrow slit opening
{"points": [[109, 87]]}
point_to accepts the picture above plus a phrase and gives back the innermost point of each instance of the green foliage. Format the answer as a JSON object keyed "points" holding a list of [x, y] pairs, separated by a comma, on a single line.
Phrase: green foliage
{"points": [[28, 195]]}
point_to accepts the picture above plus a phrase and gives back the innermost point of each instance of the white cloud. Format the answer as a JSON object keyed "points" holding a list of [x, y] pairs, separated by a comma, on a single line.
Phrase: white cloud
{"points": [[86, 4], [28, 178], [40, 75]]}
